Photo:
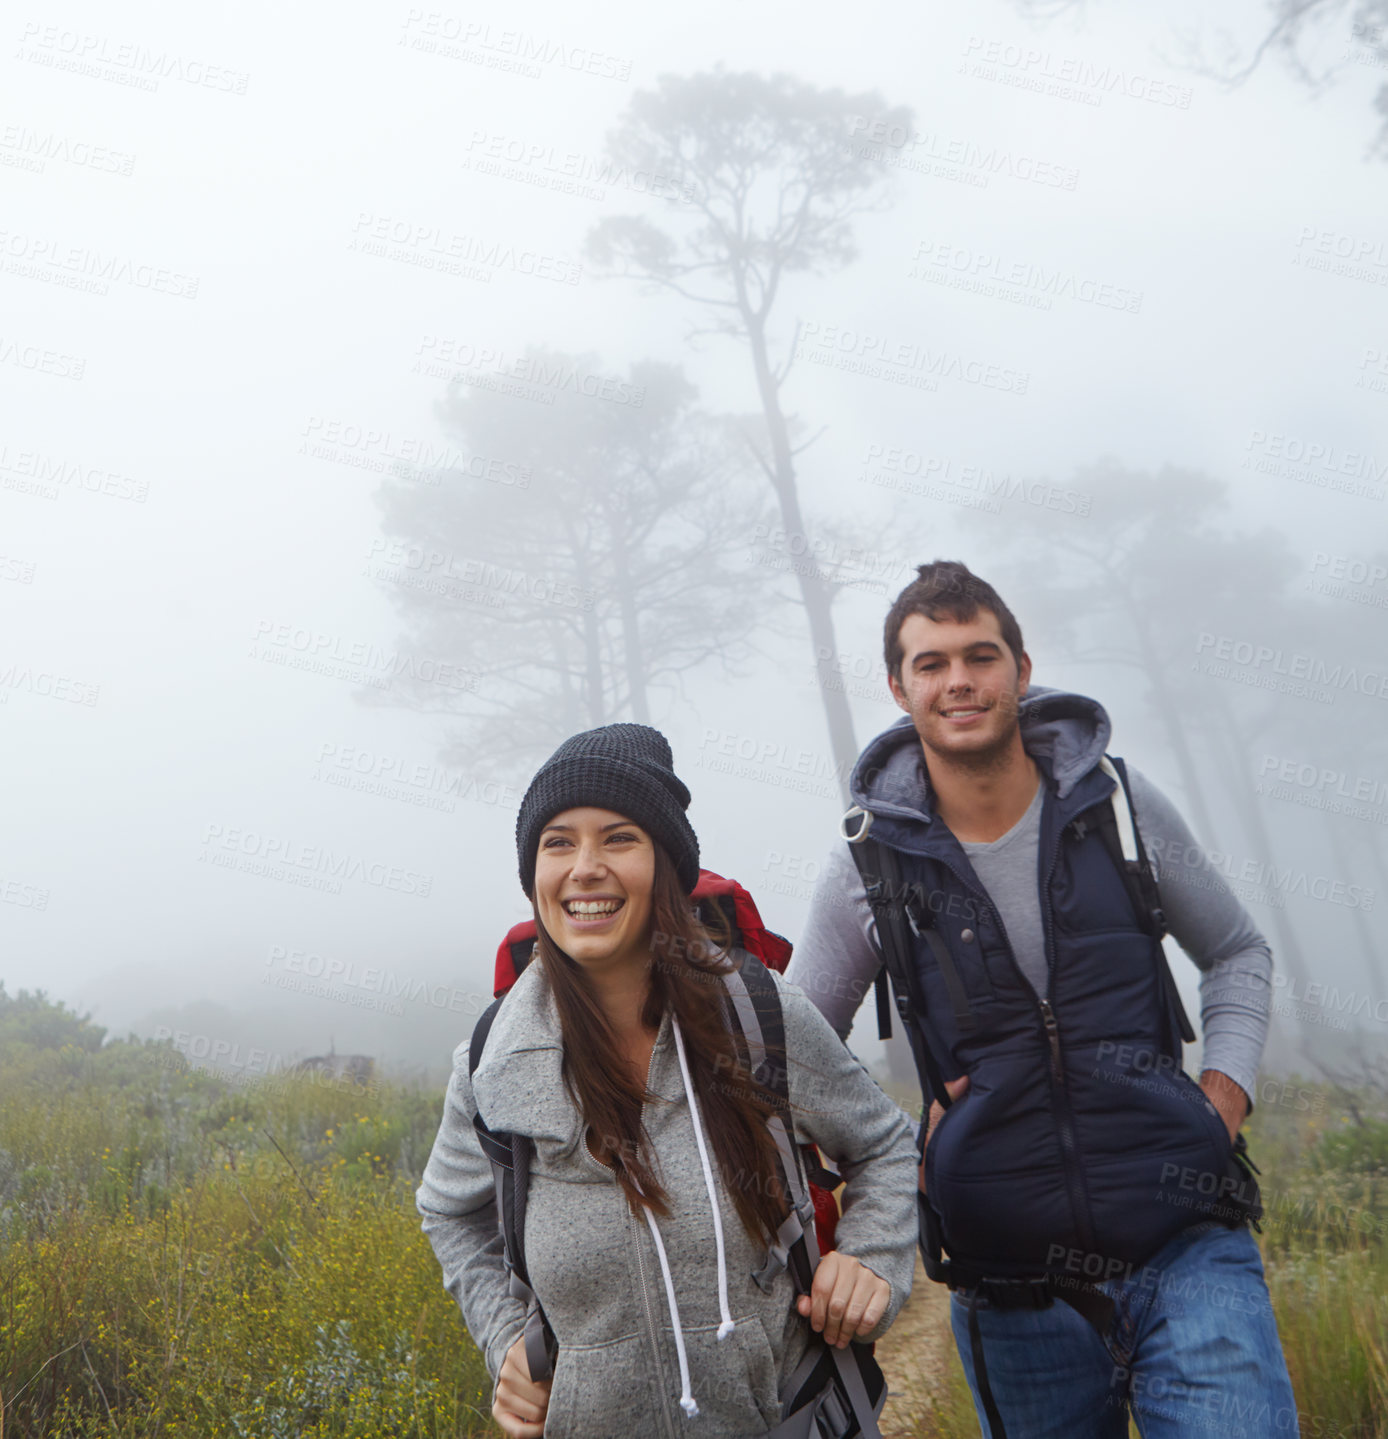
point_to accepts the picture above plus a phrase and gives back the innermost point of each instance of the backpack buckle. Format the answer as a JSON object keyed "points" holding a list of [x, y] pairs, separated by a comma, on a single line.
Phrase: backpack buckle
{"points": [[1035, 1293], [1040, 1293], [912, 904]]}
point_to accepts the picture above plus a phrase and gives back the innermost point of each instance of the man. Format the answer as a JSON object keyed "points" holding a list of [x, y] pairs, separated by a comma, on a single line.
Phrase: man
{"points": [[1085, 1192]]}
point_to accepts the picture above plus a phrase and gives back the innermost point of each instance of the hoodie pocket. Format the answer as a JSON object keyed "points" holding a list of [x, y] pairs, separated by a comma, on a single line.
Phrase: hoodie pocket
{"points": [[612, 1388], [734, 1381], [603, 1389]]}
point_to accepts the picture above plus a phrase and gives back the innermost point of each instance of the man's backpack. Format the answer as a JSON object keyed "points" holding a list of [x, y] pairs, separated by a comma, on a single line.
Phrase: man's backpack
{"points": [[834, 1393]]}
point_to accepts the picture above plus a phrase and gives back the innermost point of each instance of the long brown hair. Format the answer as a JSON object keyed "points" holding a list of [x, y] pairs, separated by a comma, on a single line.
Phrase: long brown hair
{"points": [[687, 964]]}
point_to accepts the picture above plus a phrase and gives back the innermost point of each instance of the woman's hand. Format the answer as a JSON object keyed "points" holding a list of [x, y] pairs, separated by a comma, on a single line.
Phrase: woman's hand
{"points": [[846, 1299], [521, 1404]]}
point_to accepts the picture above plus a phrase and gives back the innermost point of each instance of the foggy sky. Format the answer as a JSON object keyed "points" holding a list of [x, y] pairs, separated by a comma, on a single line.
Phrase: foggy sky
{"points": [[243, 327]]}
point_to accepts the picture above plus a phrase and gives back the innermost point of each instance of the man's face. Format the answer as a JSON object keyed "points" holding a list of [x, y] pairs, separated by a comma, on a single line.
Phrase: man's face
{"points": [[960, 685]]}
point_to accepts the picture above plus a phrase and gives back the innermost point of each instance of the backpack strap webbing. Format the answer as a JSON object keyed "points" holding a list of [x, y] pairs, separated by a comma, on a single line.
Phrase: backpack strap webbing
{"points": [[510, 1159], [756, 1005], [880, 871], [1117, 825], [881, 874]]}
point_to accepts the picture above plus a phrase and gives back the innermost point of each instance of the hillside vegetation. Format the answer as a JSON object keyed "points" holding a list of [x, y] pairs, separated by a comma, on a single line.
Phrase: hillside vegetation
{"points": [[185, 1257]]}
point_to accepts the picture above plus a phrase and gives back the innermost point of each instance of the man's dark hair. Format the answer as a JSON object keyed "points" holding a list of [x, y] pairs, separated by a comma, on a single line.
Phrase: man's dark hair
{"points": [[946, 590]]}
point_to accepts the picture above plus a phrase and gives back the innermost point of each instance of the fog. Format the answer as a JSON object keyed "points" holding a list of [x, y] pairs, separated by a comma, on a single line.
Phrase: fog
{"points": [[1128, 338]]}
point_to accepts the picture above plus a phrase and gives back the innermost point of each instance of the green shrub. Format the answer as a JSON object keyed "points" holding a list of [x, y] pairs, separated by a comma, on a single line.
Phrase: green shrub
{"points": [[184, 1257]]}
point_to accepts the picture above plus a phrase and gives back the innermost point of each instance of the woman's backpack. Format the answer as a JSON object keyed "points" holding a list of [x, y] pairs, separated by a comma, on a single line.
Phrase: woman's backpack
{"points": [[723, 905]]}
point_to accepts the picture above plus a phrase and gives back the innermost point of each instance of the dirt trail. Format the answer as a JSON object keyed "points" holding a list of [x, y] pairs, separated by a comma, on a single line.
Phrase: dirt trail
{"points": [[913, 1357]]}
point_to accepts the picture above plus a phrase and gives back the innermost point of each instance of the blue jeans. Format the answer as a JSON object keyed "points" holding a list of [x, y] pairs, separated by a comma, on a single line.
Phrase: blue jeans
{"points": [[1192, 1348]]}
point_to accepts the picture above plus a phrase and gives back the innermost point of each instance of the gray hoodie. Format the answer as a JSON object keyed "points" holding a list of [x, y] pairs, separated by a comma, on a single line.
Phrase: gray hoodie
{"points": [[633, 1346]]}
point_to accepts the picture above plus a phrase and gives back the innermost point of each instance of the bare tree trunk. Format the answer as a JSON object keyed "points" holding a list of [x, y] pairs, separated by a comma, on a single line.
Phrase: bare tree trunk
{"points": [[573, 716], [631, 643], [1361, 925], [814, 592], [592, 651], [1175, 730], [592, 636], [1375, 848], [1251, 817], [1185, 761]]}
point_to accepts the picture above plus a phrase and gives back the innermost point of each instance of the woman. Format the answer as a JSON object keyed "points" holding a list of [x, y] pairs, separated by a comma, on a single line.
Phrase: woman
{"points": [[654, 1193]]}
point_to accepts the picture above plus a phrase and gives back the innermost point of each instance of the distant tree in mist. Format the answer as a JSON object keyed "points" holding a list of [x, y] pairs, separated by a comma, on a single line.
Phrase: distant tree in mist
{"points": [[615, 571], [1117, 587], [1144, 581], [34, 1020], [765, 186], [1349, 742], [1301, 32]]}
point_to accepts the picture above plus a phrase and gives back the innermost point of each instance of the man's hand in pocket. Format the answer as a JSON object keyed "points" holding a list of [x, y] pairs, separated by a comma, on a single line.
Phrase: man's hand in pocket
{"points": [[956, 1088]]}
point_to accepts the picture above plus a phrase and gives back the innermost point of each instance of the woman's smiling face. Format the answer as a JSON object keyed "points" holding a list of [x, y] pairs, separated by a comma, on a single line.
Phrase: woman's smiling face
{"points": [[594, 871]]}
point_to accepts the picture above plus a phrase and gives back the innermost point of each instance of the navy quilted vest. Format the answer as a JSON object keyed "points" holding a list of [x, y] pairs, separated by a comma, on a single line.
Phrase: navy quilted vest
{"points": [[1080, 1144]]}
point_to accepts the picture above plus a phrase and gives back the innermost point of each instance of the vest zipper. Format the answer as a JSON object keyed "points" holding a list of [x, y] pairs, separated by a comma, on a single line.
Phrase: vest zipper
{"points": [[1060, 1097], [1065, 1129], [1053, 1038], [1060, 1102]]}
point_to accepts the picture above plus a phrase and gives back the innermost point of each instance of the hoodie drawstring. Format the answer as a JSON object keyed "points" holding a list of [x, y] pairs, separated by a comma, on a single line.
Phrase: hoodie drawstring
{"points": [[726, 1326], [687, 1400]]}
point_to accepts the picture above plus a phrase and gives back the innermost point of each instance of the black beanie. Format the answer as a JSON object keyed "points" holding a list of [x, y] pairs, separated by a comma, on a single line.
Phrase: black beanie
{"points": [[623, 767]]}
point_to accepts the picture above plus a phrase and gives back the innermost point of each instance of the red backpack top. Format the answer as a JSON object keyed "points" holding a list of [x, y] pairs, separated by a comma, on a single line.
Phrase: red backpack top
{"points": [[712, 894]]}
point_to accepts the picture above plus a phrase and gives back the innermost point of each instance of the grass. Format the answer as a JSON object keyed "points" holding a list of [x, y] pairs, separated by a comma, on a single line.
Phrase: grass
{"points": [[1325, 1249], [181, 1257]]}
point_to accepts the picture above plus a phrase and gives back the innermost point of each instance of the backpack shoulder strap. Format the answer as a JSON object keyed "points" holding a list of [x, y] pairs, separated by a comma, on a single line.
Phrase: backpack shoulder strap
{"points": [[757, 1013], [756, 1005], [880, 871], [881, 874], [510, 1160], [1117, 824], [480, 1031]]}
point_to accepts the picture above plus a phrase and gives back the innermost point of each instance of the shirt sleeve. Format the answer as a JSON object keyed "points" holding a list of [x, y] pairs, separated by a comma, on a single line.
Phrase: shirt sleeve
{"points": [[837, 957], [836, 1104], [1211, 925], [457, 1202]]}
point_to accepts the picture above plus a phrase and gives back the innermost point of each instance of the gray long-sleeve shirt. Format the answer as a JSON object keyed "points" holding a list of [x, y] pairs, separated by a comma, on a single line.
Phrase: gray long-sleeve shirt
{"points": [[838, 956]]}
